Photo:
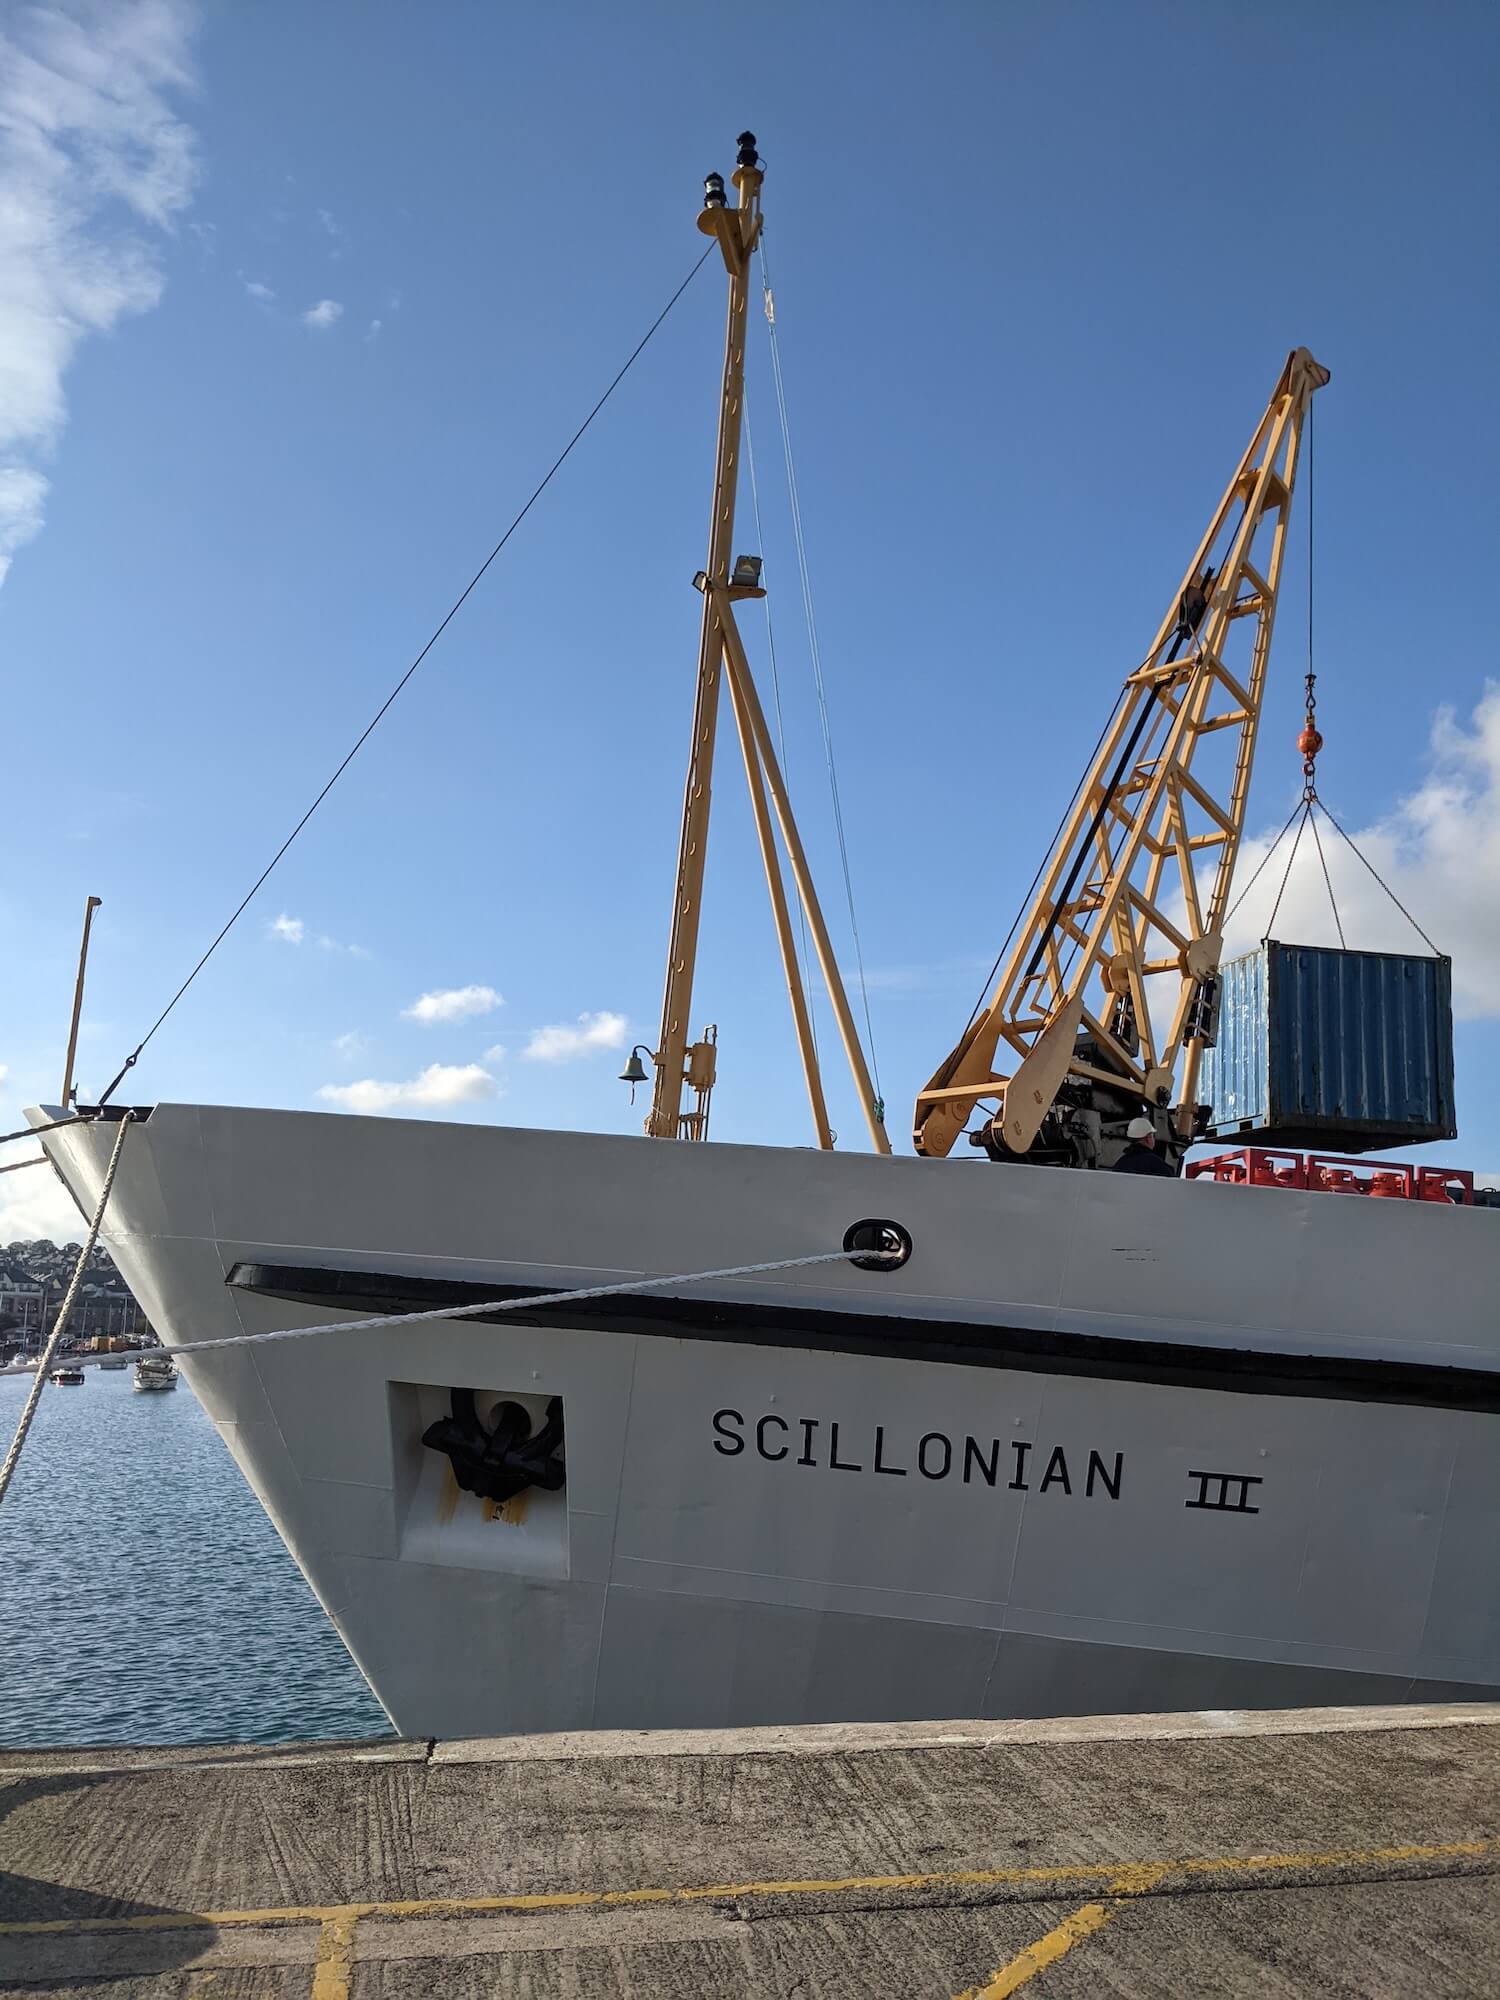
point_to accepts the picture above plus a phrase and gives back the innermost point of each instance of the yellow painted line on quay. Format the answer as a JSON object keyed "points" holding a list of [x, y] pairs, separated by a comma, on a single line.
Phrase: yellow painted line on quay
{"points": [[1036, 1957], [1060, 1940], [333, 1969], [1108, 1872]]}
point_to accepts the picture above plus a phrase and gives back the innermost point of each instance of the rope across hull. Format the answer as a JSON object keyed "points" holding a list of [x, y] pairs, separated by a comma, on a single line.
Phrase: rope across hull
{"points": [[1019, 1473]]}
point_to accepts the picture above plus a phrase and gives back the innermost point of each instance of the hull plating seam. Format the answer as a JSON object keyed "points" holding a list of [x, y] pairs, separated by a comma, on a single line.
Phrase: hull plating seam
{"points": [[1028, 1350]]}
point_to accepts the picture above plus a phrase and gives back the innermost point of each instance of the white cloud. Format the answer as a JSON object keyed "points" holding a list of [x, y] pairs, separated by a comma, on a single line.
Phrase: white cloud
{"points": [[438, 1084], [262, 294], [35, 1203], [372, 331], [293, 930], [496, 1054], [325, 313], [1439, 850], [351, 1045], [4, 1071], [85, 129], [334, 230], [559, 1044], [452, 1003]]}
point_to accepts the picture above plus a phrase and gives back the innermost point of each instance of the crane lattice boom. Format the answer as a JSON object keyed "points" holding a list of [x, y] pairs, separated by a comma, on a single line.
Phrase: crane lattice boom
{"points": [[1110, 987]]}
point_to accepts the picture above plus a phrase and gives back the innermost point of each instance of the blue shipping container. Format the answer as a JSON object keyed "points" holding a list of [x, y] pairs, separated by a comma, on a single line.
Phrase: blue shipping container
{"points": [[1347, 1051]]}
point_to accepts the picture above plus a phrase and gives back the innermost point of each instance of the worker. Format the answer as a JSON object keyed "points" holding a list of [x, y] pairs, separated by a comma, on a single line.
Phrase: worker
{"points": [[1141, 1156]]}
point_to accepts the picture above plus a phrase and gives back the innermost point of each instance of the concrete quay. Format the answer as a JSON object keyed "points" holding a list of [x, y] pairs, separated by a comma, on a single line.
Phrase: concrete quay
{"points": [[1317, 1853]]}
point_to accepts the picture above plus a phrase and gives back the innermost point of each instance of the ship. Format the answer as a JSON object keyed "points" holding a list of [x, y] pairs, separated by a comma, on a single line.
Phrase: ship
{"points": [[840, 1436]]}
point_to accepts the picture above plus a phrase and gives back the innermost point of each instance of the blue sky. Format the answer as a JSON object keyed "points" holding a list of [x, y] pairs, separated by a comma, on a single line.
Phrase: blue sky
{"points": [[307, 298]]}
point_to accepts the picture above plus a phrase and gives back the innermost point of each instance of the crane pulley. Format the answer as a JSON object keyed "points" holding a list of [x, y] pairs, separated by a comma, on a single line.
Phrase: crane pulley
{"points": [[1109, 994]]}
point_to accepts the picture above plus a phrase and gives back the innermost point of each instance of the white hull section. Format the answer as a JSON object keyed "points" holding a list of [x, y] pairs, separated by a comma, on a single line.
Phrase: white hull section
{"points": [[1101, 1444]]}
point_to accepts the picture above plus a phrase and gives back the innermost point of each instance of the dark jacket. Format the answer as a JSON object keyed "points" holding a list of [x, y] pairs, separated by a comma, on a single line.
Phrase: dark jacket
{"points": [[1139, 1159]]}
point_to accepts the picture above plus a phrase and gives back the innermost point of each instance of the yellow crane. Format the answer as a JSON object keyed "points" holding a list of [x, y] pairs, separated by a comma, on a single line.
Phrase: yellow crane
{"points": [[1109, 988]]}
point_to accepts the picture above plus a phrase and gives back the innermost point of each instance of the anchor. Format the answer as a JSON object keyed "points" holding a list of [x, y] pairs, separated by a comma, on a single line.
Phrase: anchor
{"points": [[506, 1459]]}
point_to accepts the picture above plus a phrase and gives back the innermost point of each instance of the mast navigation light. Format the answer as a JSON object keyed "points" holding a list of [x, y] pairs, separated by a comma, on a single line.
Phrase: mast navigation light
{"points": [[747, 572], [747, 155], [713, 191]]}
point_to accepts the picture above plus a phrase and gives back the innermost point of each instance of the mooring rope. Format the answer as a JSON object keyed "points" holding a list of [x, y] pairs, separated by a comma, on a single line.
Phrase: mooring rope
{"points": [[532, 1300], [44, 1360], [36, 1131]]}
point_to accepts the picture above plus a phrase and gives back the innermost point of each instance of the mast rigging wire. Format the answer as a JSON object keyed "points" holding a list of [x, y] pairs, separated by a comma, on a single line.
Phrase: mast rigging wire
{"points": [[374, 722], [769, 303], [760, 543]]}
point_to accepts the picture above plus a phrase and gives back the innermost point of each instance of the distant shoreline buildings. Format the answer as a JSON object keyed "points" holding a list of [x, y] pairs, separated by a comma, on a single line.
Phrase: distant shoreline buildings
{"points": [[34, 1279]]}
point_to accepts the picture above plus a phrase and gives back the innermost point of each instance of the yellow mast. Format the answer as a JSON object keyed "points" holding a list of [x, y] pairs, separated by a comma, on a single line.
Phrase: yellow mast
{"points": [[682, 1067], [1073, 1004], [66, 1100]]}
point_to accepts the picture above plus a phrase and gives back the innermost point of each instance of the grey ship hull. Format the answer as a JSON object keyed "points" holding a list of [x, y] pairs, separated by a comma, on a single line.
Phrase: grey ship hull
{"points": [[1102, 1444]]}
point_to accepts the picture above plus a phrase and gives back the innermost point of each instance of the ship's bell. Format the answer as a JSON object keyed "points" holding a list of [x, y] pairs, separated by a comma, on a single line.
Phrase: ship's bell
{"points": [[635, 1070]]}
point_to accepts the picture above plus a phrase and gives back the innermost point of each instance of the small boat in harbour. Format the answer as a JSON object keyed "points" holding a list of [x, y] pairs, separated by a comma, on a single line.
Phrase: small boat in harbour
{"points": [[67, 1378], [156, 1371]]}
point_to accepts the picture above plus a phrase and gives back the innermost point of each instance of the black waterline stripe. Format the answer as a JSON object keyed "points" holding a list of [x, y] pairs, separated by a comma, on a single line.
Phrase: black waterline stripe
{"points": [[1100, 1357]]}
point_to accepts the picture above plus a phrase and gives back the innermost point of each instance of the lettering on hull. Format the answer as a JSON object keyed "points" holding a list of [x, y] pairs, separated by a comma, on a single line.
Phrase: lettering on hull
{"points": [[1016, 1464], [830, 1445]]}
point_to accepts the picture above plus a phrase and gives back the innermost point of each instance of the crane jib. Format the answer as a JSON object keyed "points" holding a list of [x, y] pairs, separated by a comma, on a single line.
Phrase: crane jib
{"points": [[1107, 1000]]}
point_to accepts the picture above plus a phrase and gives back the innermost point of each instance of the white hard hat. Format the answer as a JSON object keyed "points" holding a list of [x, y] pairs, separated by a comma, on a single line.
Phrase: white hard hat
{"points": [[1140, 1128]]}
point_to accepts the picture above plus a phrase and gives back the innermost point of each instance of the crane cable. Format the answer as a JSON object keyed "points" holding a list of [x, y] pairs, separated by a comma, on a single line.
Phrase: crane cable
{"points": [[768, 301], [1310, 742], [452, 612]]}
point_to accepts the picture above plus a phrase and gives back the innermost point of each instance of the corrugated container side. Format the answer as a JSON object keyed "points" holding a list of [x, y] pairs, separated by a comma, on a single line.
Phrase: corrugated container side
{"points": [[1348, 1049], [1233, 1078], [1361, 1039]]}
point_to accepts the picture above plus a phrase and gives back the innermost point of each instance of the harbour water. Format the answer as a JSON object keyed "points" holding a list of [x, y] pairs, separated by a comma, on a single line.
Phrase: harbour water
{"points": [[144, 1596]]}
